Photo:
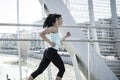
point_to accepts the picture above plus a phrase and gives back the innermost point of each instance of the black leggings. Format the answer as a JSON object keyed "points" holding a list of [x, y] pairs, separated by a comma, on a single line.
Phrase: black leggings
{"points": [[50, 54]]}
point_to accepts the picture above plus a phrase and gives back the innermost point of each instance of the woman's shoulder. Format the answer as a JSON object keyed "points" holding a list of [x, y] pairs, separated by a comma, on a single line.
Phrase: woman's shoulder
{"points": [[50, 30], [53, 29]]}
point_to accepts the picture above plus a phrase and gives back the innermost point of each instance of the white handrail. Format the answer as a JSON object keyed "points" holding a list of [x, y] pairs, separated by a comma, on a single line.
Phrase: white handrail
{"points": [[81, 40], [67, 26]]}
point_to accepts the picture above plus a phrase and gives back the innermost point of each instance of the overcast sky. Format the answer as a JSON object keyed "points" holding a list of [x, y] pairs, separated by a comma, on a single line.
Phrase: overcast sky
{"points": [[29, 12]]}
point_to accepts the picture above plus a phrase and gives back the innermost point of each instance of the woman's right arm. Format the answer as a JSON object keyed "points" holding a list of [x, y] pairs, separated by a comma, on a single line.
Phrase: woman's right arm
{"points": [[43, 36]]}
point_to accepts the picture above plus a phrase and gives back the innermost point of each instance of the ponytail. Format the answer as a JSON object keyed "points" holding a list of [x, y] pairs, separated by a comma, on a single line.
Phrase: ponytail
{"points": [[50, 20]]}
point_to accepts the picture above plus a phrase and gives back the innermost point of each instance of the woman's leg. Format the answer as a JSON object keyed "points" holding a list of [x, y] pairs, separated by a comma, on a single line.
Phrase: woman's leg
{"points": [[30, 78], [57, 61], [58, 78], [43, 64], [60, 65]]}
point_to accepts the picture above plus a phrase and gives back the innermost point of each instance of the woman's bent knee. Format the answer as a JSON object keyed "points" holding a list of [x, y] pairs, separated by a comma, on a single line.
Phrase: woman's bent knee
{"points": [[61, 72]]}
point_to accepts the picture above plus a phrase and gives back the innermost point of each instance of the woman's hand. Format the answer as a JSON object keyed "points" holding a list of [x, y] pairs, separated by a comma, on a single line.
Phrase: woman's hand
{"points": [[68, 34]]}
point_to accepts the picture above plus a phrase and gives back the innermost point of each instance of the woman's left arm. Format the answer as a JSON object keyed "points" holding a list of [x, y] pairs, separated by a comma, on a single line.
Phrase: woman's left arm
{"points": [[68, 34]]}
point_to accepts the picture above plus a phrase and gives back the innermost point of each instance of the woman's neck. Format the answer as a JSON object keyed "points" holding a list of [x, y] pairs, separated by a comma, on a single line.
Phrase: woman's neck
{"points": [[56, 25], [56, 28]]}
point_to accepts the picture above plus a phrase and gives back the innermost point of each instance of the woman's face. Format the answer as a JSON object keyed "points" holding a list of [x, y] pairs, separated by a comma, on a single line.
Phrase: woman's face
{"points": [[59, 21]]}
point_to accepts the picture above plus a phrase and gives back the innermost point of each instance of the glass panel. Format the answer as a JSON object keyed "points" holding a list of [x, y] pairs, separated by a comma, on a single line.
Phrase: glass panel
{"points": [[79, 10], [8, 11], [31, 55], [8, 29], [30, 11], [102, 9]]}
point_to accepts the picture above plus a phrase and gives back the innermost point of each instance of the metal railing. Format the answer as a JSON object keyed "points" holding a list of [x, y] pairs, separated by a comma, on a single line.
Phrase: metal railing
{"points": [[67, 26]]}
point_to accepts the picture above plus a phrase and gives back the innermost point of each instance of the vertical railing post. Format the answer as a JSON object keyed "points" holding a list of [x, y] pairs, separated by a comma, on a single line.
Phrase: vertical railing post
{"points": [[42, 8], [46, 46], [94, 36], [18, 36], [88, 54], [91, 17]]}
